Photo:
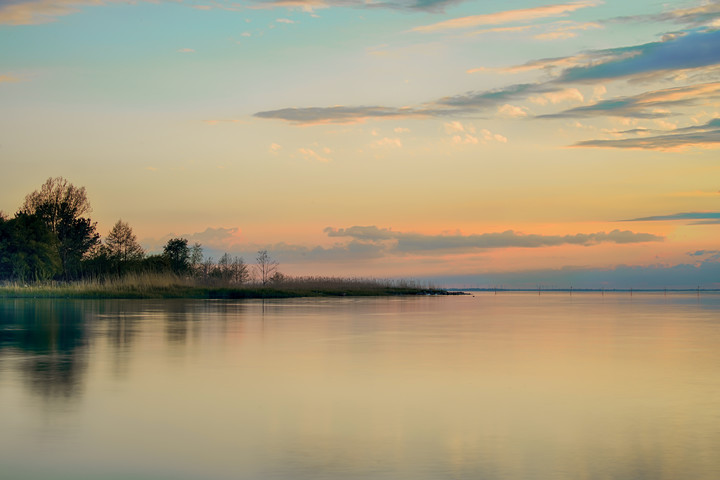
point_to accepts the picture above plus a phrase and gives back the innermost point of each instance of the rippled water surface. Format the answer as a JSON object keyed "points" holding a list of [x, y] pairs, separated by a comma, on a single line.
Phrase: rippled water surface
{"points": [[507, 386]]}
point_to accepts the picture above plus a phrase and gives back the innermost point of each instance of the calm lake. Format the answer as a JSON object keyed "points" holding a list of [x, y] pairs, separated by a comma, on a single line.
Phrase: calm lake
{"points": [[507, 386]]}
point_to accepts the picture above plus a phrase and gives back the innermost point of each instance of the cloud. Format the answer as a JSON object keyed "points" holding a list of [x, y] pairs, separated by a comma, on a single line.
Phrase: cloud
{"points": [[507, 16], [9, 79], [311, 155], [33, 12], [560, 96], [486, 31], [186, 50], [649, 105], [284, 20], [694, 50], [712, 216], [493, 98], [698, 49], [703, 15], [683, 276], [274, 148], [388, 142], [419, 243], [511, 111], [706, 136], [311, 5], [343, 114]]}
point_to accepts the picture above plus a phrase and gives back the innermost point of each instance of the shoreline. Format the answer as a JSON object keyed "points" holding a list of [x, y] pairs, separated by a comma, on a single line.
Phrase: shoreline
{"points": [[206, 292]]}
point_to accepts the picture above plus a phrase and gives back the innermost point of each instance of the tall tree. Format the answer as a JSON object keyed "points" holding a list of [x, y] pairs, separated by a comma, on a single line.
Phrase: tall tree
{"points": [[177, 254], [122, 246], [265, 266], [61, 206]]}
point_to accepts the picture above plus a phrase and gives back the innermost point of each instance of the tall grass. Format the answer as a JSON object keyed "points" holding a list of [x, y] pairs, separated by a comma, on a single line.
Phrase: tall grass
{"points": [[168, 285]]}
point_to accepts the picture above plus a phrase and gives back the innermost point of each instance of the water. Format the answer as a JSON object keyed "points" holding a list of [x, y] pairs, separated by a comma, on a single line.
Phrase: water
{"points": [[507, 386]]}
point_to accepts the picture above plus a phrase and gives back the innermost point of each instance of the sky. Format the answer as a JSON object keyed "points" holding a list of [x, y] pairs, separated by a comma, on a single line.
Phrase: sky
{"points": [[468, 143]]}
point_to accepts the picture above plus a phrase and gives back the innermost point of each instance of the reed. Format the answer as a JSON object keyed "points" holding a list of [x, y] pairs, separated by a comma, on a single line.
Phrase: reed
{"points": [[166, 285]]}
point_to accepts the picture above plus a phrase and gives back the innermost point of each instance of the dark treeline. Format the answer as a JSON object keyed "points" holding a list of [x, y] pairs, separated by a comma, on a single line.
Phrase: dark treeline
{"points": [[52, 237]]}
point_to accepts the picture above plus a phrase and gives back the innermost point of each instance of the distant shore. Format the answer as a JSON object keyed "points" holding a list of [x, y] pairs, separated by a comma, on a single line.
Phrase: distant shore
{"points": [[164, 286]]}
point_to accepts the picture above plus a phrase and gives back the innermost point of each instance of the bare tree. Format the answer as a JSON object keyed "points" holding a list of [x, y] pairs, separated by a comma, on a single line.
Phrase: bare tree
{"points": [[57, 200], [240, 273], [196, 258], [122, 245], [61, 206], [265, 266]]}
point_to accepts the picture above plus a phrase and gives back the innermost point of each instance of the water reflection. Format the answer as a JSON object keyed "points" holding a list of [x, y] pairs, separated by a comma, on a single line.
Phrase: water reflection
{"points": [[506, 387], [49, 337]]}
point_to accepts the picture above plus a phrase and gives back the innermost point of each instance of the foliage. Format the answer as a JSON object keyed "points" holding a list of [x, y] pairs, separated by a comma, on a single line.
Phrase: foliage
{"points": [[61, 206], [177, 254], [28, 249], [121, 246]]}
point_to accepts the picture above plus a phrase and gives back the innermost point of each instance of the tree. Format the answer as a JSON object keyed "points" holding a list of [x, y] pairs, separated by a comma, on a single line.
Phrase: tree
{"points": [[240, 273], [196, 258], [28, 250], [61, 206], [177, 254], [122, 247], [265, 266]]}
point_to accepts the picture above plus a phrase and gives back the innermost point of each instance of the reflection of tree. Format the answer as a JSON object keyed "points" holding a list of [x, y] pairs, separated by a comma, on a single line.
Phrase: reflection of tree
{"points": [[52, 335]]}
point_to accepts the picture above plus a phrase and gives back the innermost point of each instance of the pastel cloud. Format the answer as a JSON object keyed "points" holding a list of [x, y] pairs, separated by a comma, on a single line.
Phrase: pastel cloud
{"points": [[704, 136], [702, 15], [694, 50], [705, 273], [714, 216], [507, 16], [33, 12], [652, 104], [406, 242], [311, 155], [343, 114], [8, 79], [310, 5]]}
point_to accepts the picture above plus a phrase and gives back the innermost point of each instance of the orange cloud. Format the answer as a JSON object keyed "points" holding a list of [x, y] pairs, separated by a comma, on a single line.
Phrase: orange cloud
{"points": [[507, 16]]}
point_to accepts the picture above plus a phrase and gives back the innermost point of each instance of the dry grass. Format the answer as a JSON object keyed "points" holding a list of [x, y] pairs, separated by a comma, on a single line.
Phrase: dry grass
{"points": [[148, 285]]}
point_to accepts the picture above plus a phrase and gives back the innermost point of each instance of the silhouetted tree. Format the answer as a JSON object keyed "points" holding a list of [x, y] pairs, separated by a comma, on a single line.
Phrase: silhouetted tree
{"points": [[121, 244], [196, 258], [61, 206], [177, 253], [28, 249], [265, 266]]}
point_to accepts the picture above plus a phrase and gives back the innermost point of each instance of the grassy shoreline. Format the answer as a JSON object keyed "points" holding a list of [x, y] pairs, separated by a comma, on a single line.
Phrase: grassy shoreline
{"points": [[170, 286]]}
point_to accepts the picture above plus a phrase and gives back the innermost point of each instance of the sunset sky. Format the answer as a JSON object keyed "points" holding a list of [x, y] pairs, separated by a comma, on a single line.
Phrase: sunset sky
{"points": [[474, 143]]}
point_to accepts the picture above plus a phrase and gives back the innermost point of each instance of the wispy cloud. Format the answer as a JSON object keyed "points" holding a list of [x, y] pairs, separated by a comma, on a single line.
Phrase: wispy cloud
{"points": [[343, 114], [652, 104], [312, 155], [697, 51], [9, 79], [706, 136], [507, 16], [701, 216], [33, 12], [703, 15], [405, 242], [694, 50], [311, 5]]}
